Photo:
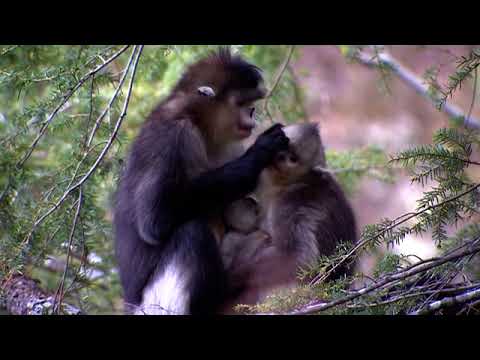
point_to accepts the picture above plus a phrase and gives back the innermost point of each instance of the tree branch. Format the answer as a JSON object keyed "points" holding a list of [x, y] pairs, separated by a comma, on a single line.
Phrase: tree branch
{"points": [[133, 60], [277, 81], [395, 223], [401, 275], [449, 301], [67, 96], [408, 77]]}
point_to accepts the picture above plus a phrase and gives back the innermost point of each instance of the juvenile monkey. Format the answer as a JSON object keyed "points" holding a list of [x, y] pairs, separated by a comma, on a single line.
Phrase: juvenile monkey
{"points": [[303, 210], [243, 239]]}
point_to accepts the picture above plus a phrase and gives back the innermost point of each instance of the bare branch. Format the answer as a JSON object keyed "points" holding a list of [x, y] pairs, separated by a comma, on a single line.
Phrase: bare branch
{"points": [[400, 275], [60, 293], [108, 107], [297, 92], [67, 96], [408, 77], [277, 81], [449, 301], [395, 223], [133, 60]]}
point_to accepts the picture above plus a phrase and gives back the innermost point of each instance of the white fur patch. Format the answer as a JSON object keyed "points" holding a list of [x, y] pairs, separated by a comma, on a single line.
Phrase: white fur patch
{"points": [[293, 132], [166, 295]]}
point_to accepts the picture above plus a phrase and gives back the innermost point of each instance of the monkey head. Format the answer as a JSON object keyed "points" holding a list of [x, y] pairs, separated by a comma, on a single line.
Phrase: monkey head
{"points": [[243, 215], [220, 91], [304, 153]]}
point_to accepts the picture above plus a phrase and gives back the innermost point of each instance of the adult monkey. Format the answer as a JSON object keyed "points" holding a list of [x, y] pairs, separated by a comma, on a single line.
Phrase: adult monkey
{"points": [[186, 165]]}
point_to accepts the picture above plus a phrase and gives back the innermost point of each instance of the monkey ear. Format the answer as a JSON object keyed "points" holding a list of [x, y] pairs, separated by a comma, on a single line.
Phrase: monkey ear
{"points": [[206, 91]]}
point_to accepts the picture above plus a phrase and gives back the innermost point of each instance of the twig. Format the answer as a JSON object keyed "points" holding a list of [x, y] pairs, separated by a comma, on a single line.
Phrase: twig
{"points": [[108, 107], [408, 77], [406, 158], [474, 94], [412, 295], [67, 96], [277, 81], [362, 243], [133, 60], [100, 157], [6, 51], [401, 275], [297, 92], [449, 301], [59, 293]]}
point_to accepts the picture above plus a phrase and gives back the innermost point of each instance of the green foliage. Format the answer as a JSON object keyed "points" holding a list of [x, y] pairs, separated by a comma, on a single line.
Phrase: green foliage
{"points": [[33, 82], [465, 67], [350, 166]]}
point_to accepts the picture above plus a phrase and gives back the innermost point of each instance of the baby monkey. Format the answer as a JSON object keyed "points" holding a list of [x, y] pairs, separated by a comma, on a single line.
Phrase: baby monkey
{"points": [[297, 213], [243, 238]]}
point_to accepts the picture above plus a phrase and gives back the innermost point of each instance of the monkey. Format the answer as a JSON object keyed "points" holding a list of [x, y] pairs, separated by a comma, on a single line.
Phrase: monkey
{"points": [[243, 239], [304, 211], [186, 165]]}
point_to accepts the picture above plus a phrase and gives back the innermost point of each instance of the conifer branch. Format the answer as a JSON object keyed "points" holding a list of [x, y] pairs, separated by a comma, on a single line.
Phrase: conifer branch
{"points": [[133, 62], [361, 244], [388, 279], [66, 97]]}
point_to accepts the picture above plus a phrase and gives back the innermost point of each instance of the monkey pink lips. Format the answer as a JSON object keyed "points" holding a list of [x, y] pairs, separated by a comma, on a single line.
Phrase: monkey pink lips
{"points": [[245, 130]]}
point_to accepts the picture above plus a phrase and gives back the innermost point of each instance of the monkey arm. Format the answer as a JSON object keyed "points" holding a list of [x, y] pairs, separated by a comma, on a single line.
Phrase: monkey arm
{"points": [[219, 187], [215, 189], [165, 196], [154, 214]]}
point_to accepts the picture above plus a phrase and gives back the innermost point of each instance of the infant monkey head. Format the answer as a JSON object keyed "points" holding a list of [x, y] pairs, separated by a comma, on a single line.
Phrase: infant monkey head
{"points": [[304, 153], [242, 215]]}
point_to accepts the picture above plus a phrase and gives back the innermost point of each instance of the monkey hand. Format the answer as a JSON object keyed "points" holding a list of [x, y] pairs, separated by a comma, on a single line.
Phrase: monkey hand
{"points": [[269, 143]]}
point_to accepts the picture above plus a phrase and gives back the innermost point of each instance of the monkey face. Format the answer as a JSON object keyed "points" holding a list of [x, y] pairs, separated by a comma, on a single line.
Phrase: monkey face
{"points": [[304, 153], [242, 215], [234, 118], [242, 104], [245, 122]]}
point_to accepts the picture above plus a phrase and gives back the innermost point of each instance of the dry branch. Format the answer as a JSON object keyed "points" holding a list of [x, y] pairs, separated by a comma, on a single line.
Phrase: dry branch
{"points": [[388, 280], [449, 301]]}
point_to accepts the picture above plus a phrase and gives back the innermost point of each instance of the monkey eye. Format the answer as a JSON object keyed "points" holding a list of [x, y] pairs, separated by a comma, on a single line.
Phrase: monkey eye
{"points": [[293, 158], [252, 111]]}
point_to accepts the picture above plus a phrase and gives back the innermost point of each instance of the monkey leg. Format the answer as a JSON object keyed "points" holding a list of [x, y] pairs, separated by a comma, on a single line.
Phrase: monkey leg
{"points": [[191, 278], [197, 249]]}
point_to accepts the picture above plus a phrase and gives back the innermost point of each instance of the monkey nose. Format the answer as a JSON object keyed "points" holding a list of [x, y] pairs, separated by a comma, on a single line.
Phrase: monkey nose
{"points": [[281, 156]]}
